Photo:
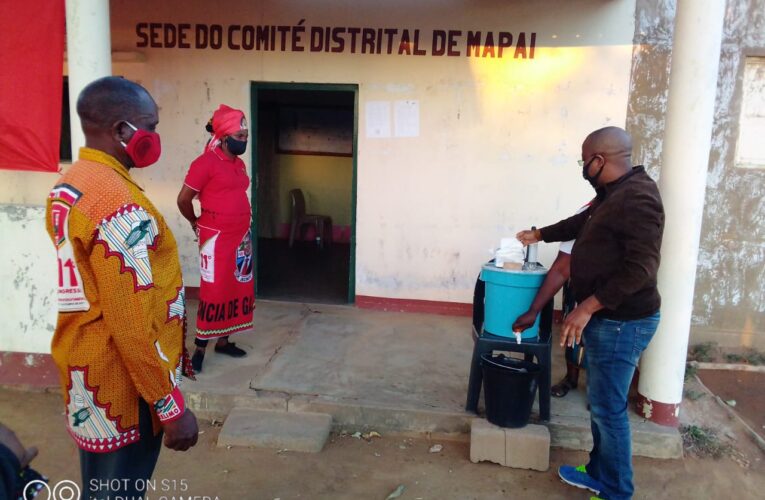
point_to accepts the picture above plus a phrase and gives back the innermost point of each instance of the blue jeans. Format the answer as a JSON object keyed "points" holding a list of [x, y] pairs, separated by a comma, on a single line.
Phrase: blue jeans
{"points": [[613, 350]]}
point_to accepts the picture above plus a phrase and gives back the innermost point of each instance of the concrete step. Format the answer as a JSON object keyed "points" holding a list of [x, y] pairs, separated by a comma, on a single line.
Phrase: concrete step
{"points": [[648, 439], [295, 431], [570, 431]]}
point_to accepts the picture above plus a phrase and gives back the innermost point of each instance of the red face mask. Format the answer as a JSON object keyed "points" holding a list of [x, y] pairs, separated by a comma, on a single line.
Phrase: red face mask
{"points": [[143, 148]]}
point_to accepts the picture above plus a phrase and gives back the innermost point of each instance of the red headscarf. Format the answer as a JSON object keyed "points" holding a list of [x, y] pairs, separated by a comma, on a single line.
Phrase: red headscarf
{"points": [[225, 121]]}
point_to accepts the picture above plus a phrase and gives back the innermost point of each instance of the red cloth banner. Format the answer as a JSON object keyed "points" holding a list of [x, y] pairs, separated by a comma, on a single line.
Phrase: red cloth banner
{"points": [[31, 83]]}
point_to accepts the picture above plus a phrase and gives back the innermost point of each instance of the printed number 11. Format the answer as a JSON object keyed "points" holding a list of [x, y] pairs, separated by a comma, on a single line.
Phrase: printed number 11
{"points": [[72, 276]]}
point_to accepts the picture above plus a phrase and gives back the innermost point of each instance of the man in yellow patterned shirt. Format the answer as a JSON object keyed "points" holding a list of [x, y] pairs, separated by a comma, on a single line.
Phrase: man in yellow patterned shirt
{"points": [[119, 340]]}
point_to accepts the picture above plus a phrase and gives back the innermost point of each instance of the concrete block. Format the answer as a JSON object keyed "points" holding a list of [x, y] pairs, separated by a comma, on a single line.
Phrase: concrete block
{"points": [[487, 442], [275, 429], [528, 447]]}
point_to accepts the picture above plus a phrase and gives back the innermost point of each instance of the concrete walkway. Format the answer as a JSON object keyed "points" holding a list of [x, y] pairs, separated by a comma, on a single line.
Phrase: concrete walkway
{"points": [[370, 370]]}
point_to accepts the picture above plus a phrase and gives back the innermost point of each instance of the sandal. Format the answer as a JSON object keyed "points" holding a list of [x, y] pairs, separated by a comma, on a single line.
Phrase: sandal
{"points": [[231, 349], [561, 388]]}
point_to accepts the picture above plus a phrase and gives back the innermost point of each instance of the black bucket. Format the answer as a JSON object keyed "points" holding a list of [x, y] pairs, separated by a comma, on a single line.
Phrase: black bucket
{"points": [[509, 386]]}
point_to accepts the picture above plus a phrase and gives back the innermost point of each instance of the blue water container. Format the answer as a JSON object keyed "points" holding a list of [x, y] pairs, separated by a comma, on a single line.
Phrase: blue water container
{"points": [[509, 293]]}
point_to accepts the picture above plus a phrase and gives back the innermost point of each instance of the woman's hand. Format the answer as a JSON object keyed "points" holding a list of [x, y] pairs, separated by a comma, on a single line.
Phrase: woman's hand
{"points": [[186, 207], [525, 321]]}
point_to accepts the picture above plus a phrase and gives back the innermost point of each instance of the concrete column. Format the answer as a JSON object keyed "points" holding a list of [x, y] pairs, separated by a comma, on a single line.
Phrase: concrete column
{"points": [[89, 54], [685, 160]]}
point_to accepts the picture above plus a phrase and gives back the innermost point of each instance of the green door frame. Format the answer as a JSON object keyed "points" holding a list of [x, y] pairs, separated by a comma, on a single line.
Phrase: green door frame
{"points": [[255, 87]]}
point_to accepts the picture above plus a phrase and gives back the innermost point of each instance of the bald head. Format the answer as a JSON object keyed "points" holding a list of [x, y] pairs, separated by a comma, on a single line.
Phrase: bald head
{"points": [[612, 142], [607, 155], [110, 99], [106, 106]]}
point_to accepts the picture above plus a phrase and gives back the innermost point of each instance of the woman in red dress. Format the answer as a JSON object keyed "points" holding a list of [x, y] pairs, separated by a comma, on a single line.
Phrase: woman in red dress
{"points": [[219, 178]]}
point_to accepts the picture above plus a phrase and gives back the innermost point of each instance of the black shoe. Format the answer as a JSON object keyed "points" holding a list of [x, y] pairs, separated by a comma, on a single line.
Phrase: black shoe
{"points": [[196, 361], [230, 349]]}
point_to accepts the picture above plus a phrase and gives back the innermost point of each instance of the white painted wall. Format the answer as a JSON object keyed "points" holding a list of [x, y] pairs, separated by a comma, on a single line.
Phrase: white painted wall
{"points": [[28, 274], [498, 140]]}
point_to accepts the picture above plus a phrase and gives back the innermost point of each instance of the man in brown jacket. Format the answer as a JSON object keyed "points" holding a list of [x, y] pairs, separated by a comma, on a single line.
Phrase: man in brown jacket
{"points": [[614, 264]]}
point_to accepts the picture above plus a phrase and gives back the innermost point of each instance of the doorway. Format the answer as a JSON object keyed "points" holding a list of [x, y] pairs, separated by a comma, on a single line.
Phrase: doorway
{"points": [[306, 137]]}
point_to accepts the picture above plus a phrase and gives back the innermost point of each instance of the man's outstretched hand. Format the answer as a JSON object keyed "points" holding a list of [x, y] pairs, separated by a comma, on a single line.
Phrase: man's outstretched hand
{"points": [[529, 236], [181, 434]]}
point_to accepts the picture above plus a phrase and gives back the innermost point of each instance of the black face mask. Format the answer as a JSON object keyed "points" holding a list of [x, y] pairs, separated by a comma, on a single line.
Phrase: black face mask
{"points": [[236, 147], [593, 180]]}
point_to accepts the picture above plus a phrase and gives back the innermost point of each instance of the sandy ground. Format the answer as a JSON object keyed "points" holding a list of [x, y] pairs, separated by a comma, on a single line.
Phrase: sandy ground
{"points": [[747, 389], [350, 468]]}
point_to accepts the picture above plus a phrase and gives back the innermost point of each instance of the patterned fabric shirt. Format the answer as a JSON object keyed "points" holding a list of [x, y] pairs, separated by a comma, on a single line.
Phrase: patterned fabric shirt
{"points": [[121, 309]]}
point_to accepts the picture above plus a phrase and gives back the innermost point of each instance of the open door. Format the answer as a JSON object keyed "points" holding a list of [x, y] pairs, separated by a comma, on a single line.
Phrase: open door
{"points": [[304, 191]]}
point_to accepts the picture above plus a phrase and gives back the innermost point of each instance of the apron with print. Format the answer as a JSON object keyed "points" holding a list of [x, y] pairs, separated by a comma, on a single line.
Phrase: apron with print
{"points": [[227, 289]]}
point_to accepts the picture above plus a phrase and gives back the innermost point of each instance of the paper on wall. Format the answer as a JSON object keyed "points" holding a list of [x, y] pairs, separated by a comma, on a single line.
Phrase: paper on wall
{"points": [[406, 118], [378, 119]]}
